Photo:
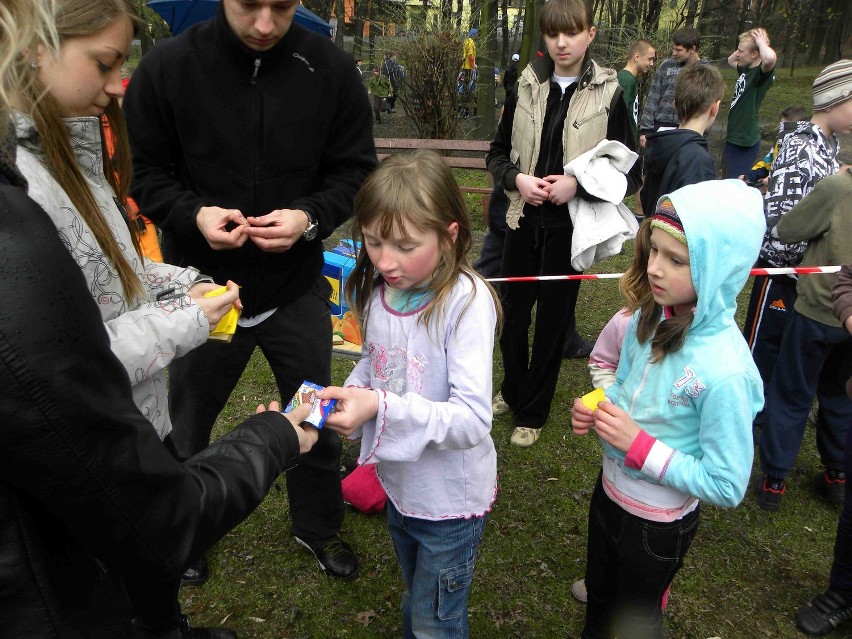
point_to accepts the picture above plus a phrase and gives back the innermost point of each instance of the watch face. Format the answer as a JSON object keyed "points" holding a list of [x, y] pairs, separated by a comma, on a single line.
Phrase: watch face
{"points": [[311, 231]]}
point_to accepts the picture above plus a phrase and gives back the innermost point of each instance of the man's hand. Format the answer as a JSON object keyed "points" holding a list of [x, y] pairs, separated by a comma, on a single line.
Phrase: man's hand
{"points": [[355, 406], [642, 141], [532, 189], [306, 433], [278, 231], [213, 222], [561, 189], [215, 308]]}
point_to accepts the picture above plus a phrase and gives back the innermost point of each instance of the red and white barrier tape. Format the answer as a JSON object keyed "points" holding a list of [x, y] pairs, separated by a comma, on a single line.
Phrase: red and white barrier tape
{"points": [[793, 270]]}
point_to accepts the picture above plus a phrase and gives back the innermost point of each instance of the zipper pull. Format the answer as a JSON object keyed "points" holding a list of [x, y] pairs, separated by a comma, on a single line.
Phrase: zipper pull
{"points": [[256, 69]]}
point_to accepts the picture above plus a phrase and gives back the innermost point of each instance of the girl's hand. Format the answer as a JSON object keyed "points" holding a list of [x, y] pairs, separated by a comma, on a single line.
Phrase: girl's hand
{"points": [[306, 433], [581, 417], [531, 188], [561, 189], [215, 308], [355, 407], [615, 426]]}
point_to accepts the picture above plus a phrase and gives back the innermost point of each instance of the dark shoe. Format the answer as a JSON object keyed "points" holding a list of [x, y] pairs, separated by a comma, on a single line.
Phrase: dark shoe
{"points": [[769, 493], [336, 558], [831, 486], [822, 615], [196, 574], [186, 631], [576, 351]]}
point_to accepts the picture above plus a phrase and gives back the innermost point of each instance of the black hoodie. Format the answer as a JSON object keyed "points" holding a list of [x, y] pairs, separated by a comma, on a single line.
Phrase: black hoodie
{"points": [[673, 159]]}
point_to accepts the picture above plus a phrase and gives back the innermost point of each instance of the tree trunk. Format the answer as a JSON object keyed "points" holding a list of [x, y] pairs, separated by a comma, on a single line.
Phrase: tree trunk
{"points": [[839, 30], [529, 40], [652, 18], [691, 12], [485, 63]]}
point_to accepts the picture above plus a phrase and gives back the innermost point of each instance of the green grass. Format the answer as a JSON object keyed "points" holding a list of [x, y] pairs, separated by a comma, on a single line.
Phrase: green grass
{"points": [[745, 576]]}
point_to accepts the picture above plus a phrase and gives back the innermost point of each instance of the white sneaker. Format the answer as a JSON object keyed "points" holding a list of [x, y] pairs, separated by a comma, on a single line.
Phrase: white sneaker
{"points": [[499, 406], [578, 589], [524, 437]]}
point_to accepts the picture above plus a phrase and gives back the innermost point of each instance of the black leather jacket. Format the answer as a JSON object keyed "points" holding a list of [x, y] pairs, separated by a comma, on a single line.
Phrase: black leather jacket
{"points": [[89, 495]]}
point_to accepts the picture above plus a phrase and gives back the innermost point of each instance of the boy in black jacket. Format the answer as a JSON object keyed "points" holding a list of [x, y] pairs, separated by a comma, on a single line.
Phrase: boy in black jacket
{"points": [[677, 157]]}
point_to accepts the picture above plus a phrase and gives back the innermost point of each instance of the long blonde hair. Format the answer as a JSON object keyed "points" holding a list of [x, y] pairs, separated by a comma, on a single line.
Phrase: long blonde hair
{"points": [[666, 337], [416, 189], [77, 18], [24, 25]]}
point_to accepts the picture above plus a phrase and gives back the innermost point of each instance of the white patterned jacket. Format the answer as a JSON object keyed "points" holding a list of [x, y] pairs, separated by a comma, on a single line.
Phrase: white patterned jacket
{"points": [[145, 334]]}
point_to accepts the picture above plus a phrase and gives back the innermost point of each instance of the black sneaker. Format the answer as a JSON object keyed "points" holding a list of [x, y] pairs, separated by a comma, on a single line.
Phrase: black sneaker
{"points": [[190, 632], [769, 493], [822, 615], [196, 574], [831, 486], [577, 351], [336, 558]]}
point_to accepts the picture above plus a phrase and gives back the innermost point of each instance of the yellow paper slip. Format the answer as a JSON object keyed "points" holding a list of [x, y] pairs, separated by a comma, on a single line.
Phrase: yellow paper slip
{"points": [[590, 400], [227, 326]]}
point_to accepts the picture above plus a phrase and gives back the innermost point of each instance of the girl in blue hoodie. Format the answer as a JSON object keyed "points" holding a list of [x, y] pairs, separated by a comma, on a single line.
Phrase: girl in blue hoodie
{"points": [[676, 425]]}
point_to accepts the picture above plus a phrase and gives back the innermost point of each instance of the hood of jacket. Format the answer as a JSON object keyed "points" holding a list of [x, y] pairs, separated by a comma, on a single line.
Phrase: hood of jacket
{"points": [[663, 145], [724, 226]]}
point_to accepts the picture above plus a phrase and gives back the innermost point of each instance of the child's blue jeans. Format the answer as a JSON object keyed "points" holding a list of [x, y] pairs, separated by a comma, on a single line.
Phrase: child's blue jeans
{"points": [[437, 560]]}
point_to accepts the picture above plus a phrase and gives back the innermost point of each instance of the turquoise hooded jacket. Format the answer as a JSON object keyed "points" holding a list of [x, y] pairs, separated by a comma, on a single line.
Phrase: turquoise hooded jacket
{"points": [[699, 402]]}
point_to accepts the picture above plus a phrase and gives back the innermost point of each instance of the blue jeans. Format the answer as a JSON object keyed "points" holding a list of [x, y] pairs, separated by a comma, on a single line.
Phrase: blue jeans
{"points": [[437, 560]]}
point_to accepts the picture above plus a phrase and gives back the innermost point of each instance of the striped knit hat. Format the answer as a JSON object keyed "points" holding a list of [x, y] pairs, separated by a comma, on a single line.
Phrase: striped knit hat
{"points": [[833, 85], [666, 219]]}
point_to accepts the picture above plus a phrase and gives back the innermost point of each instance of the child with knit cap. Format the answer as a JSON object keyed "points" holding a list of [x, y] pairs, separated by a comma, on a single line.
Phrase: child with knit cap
{"points": [[676, 423], [805, 157], [815, 357]]}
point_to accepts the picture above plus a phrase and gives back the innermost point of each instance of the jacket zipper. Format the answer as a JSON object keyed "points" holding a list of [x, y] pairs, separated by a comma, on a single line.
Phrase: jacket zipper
{"points": [[255, 151]]}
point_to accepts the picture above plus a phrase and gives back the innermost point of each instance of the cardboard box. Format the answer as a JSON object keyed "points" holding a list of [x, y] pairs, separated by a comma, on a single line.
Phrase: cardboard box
{"points": [[339, 263]]}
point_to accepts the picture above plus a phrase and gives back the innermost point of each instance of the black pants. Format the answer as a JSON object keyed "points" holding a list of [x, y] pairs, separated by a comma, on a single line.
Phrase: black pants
{"points": [[770, 304], [529, 381], [296, 341], [814, 360], [630, 563]]}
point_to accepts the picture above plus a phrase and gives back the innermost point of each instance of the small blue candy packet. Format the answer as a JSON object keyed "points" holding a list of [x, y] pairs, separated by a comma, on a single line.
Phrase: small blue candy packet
{"points": [[320, 408]]}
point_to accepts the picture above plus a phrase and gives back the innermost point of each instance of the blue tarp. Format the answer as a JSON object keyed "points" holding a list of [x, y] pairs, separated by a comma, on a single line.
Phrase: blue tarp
{"points": [[182, 14]]}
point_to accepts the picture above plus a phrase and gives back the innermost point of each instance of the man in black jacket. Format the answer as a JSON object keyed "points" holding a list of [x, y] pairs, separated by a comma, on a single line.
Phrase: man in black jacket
{"points": [[250, 137]]}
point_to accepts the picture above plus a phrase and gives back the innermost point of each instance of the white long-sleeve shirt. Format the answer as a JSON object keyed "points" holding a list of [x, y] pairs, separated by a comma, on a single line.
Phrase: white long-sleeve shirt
{"points": [[431, 439]]}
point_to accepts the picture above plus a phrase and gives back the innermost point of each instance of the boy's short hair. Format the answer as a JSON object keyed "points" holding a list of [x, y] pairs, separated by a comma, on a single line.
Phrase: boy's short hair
{"points": [[565, 16], [795, 114], [687, 38], [697, 88], [746, 37], [641, 47]]}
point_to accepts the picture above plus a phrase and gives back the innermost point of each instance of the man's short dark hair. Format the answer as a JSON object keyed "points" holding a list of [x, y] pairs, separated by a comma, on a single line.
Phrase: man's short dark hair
{"points": [[697, 87], [641, 47], [687, 38]]}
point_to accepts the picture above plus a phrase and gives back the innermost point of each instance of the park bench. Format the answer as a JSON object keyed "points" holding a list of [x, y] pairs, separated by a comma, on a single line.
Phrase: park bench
{"points": [[459, 154]]}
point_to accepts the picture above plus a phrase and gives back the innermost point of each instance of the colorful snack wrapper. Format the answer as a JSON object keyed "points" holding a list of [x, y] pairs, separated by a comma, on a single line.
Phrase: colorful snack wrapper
{"points": [[590, 400], [320, 408]]}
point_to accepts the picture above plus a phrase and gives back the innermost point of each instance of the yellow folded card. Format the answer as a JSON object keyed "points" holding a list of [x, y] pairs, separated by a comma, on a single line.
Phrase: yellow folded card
{"points": [[590, 400], [227, 326]]}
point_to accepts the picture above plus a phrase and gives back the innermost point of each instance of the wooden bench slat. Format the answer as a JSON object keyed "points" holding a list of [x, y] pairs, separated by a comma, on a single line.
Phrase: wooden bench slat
{"points": [[481, 146]]}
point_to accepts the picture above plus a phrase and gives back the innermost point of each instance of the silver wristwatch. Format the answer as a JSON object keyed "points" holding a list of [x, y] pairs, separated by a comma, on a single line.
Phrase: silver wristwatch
{"points": [[313, 228]]}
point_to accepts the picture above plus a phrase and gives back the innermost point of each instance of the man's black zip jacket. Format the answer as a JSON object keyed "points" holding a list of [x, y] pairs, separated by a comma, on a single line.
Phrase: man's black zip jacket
{"points": [[214, 123]]}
